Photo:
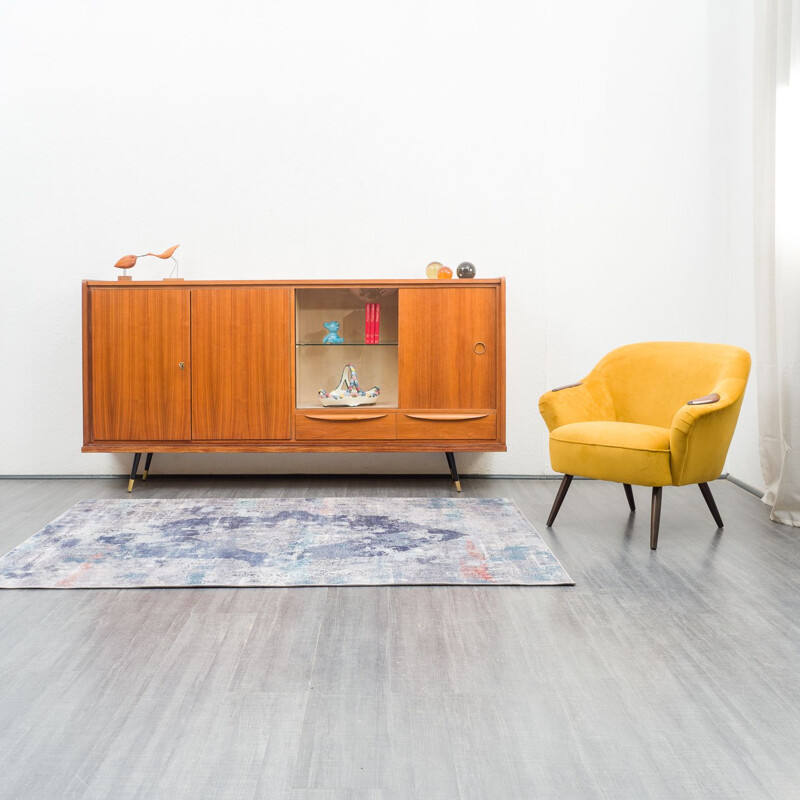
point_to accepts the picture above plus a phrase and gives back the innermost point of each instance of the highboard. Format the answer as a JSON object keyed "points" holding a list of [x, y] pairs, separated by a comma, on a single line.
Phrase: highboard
{"points": [[241, 366]]}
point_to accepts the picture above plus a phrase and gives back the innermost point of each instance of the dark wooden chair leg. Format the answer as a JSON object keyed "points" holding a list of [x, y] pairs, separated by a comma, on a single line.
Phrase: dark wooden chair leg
{"points": [[562, 493], [451, 462], [629, 495], [146, 466], [712, 506], [655, 517], [134, 470]]}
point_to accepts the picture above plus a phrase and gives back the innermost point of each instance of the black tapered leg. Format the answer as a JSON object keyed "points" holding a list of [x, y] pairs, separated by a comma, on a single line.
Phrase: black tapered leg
{"points": [[451, 462], [629, 495], [134, 470], [655, 517], [562, 493], [712, 506], [146, 466]]}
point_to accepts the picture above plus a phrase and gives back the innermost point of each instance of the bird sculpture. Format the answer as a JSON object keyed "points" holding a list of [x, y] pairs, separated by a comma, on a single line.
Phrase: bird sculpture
{"points": [[128, 262]]}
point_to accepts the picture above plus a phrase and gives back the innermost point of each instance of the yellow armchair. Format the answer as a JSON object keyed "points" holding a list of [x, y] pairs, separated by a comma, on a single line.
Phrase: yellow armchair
{"points": [[651, 414]]}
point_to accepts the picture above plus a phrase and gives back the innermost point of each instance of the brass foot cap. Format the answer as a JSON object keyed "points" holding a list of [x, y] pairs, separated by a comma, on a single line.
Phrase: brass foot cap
{"points": [[144, 475], [130, 485], [458, 485]]}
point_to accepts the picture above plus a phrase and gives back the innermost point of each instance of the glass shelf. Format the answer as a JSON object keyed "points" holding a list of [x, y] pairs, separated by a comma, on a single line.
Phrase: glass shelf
{"points": [[346, 344]]}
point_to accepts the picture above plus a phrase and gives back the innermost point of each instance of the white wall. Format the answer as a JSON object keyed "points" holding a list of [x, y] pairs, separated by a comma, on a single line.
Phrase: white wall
{"points": [[595, 153], [733, 77]]}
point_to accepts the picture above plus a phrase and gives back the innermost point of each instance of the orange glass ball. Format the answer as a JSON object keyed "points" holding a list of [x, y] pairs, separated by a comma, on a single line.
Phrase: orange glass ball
{"points": [[444, 273]]}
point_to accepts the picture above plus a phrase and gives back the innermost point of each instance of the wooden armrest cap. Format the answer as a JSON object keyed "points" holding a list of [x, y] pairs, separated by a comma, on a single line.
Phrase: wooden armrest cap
{"points": [[568, 386], [704, 401]]}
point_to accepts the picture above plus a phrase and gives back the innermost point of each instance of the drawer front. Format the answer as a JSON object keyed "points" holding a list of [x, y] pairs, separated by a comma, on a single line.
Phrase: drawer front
{"points": [[441, 425], [321, 426]]}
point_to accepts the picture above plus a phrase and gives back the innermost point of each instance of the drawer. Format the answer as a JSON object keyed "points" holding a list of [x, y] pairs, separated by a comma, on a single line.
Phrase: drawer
{"points": [[443, 425], [345, 425]]}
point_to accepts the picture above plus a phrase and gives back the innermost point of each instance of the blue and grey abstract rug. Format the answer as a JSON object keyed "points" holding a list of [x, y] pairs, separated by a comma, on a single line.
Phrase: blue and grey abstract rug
{"points": [[343, 541]]}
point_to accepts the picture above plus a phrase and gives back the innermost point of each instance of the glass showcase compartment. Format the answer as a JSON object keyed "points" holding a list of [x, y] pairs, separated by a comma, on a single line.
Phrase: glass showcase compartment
{"points": [[345, 326]]}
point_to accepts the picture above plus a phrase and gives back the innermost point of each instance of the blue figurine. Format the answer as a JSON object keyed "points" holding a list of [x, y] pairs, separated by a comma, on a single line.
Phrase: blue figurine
{"points": [[333, 335]]}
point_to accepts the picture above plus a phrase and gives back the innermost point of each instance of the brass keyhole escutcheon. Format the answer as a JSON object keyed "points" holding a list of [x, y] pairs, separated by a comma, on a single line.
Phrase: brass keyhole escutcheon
{"points": [[181, 364], [479, 348]]}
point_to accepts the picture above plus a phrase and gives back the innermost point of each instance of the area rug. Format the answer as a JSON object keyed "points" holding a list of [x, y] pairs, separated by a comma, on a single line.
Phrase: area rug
{"points": [[339, 541]]}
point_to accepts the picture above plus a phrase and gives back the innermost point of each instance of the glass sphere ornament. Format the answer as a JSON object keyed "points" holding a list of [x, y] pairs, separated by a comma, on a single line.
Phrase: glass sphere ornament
{"points": [[444, 273], [432, 270], [465, 270]]}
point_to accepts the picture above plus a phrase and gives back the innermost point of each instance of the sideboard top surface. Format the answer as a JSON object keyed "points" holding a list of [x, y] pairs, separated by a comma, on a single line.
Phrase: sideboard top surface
{"points": [[426, 282]]}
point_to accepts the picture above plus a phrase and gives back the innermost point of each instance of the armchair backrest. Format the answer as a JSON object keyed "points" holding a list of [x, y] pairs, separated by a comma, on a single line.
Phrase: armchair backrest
{"points": [[649, 382]]}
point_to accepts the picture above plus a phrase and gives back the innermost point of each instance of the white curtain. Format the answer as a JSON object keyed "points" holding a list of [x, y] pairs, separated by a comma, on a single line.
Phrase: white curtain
{"points": [[777, 251]]}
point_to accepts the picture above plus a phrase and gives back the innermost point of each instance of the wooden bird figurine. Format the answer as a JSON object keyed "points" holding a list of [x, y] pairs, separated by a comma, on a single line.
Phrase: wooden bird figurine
{"points": [[128, 262]]}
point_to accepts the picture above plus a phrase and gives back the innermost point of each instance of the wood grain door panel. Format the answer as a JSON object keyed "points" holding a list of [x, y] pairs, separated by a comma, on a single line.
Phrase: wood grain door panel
{"points": [[448, 348], [139, 338], [241, 374]]}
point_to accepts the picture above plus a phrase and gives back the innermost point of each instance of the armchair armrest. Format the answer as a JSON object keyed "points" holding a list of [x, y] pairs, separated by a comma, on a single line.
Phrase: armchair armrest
{"points": [[567, 386], [701, 433], [577, 402], [705, 400]]}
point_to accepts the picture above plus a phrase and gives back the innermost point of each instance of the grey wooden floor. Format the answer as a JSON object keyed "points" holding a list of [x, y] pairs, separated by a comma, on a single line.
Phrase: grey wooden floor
{"points": [[671, 674]]}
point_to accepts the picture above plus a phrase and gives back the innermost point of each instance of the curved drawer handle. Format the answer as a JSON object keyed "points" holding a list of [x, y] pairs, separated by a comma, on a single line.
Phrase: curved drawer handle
{"points": [[479, 348], [446, 417], [345, 417]]}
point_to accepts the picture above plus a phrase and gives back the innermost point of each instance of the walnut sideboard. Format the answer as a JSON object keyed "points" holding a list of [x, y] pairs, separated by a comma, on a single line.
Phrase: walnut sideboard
{"points": [[210, 366]]}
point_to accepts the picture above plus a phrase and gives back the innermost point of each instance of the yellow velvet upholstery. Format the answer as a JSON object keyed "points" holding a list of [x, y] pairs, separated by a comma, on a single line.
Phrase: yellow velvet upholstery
{"points": [[629, 420], [612, 451]]}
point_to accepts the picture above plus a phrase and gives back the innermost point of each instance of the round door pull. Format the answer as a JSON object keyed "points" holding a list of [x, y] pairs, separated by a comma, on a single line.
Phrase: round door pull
{"points": [[479, 348], [181, 364]]}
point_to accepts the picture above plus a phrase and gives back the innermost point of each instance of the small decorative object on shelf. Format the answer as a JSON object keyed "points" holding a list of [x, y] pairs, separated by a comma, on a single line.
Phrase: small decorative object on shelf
{"points": [[129, 262], [372, 323], [348, 392], [465, 270], [432, 270], [333, 333], [444, 273]]}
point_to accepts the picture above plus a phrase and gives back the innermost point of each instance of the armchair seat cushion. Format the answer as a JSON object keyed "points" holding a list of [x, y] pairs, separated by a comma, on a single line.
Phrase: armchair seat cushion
{"points": [[613, 451]]}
